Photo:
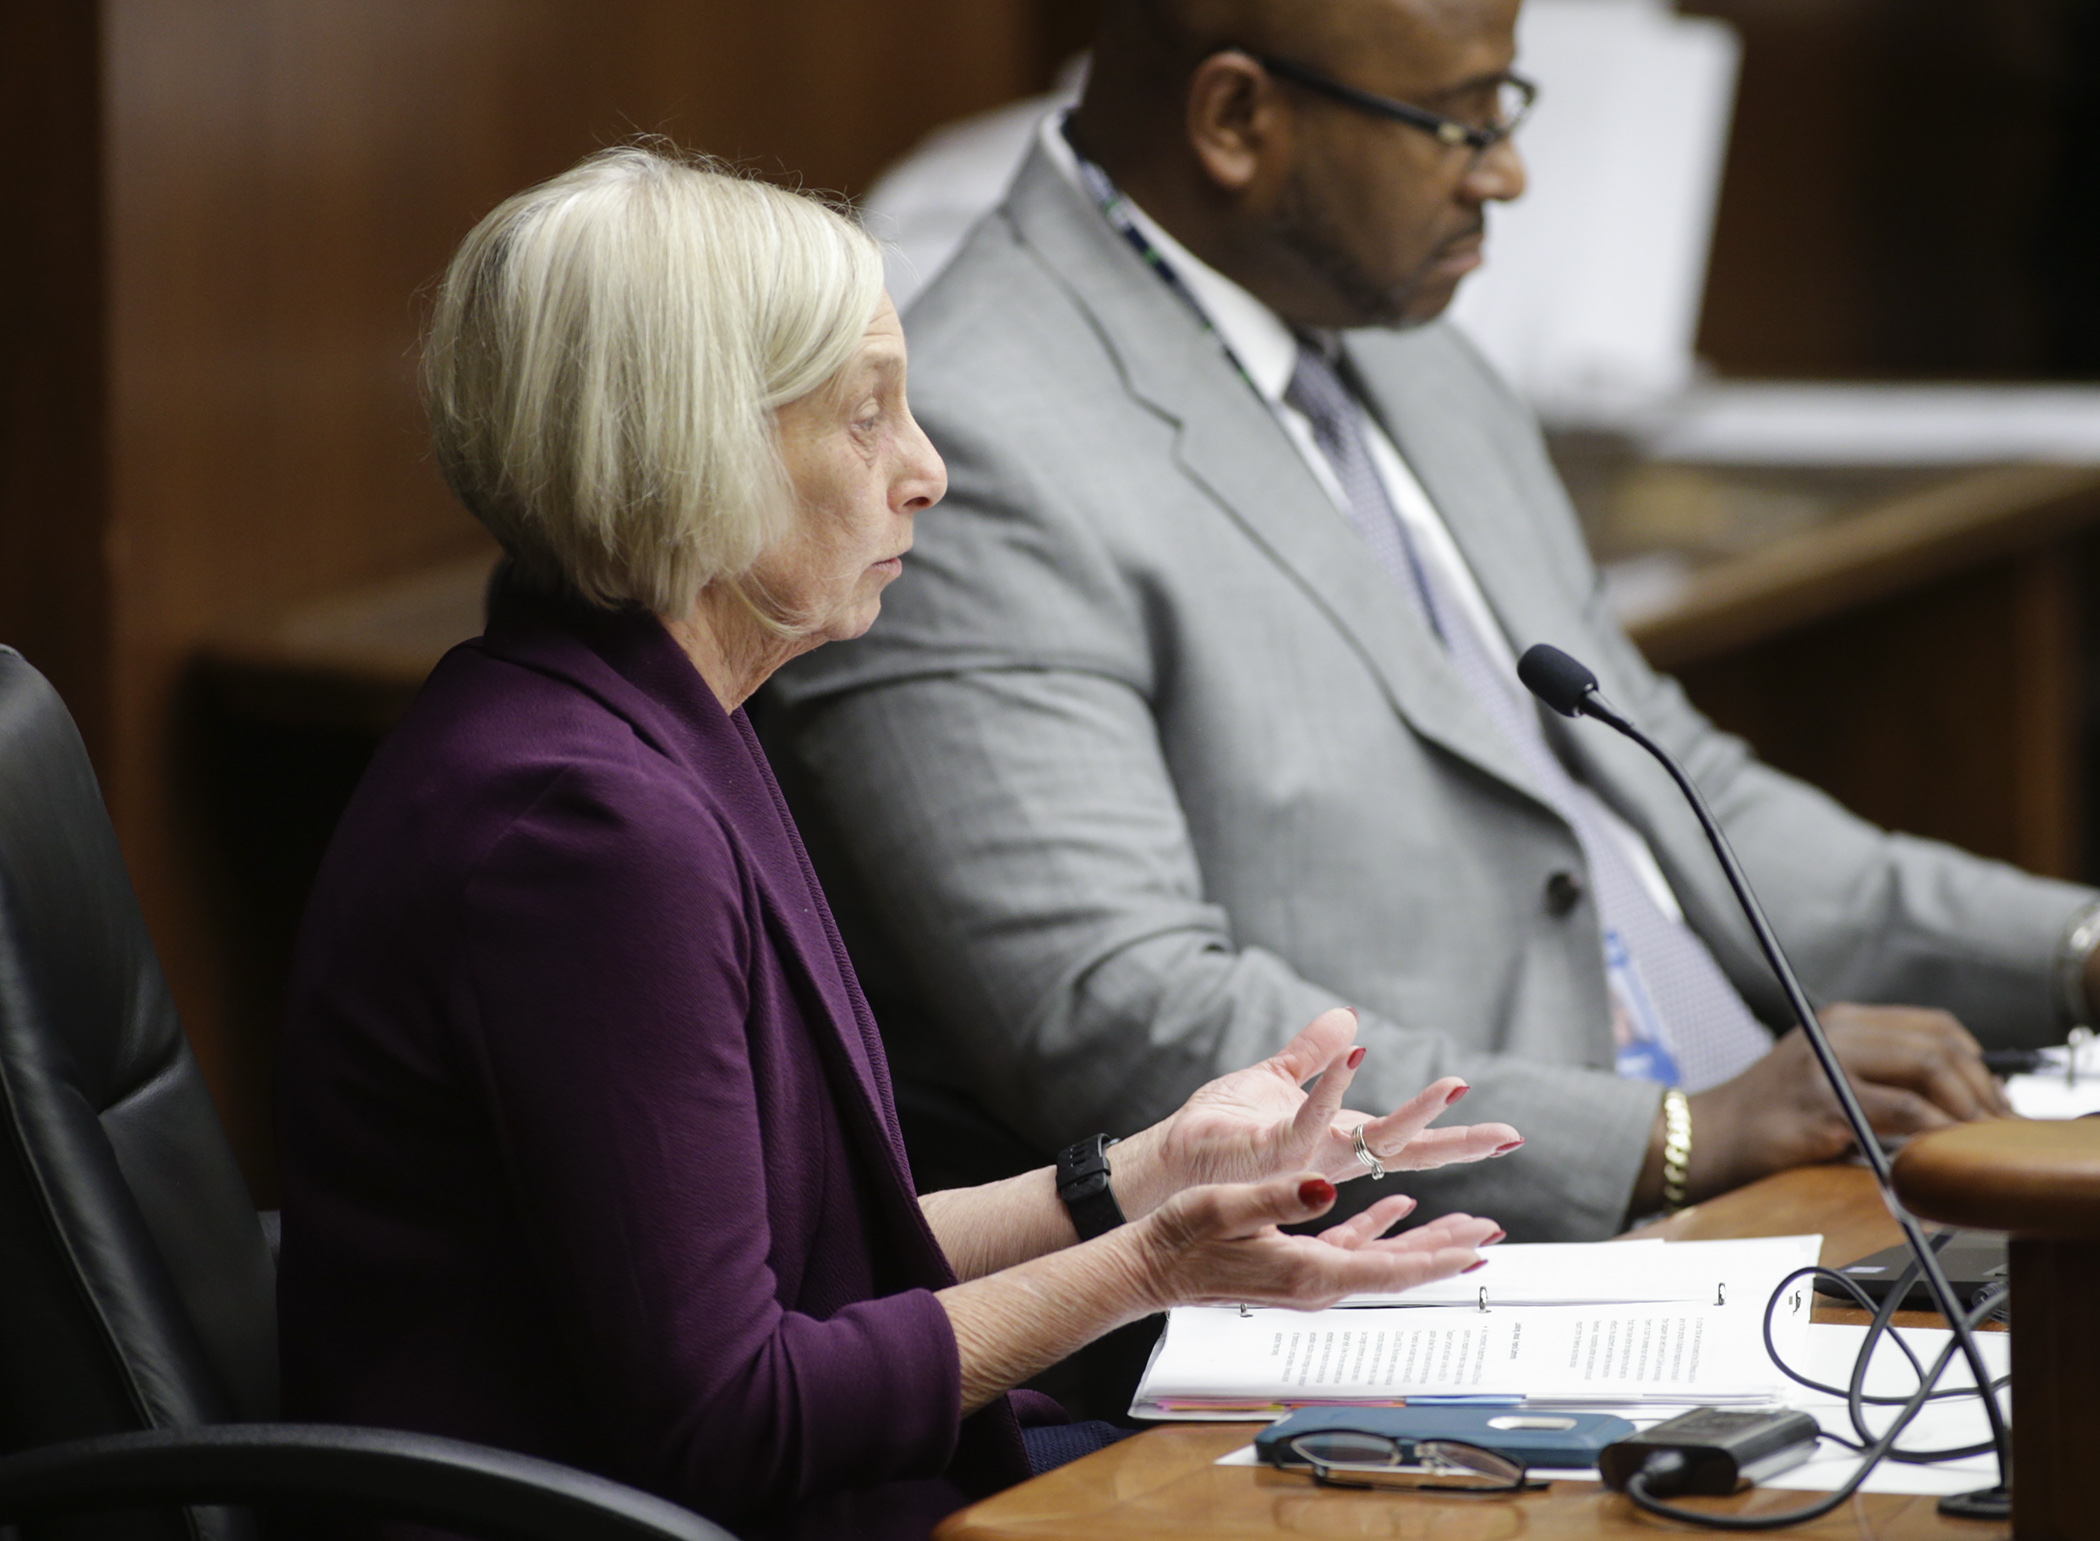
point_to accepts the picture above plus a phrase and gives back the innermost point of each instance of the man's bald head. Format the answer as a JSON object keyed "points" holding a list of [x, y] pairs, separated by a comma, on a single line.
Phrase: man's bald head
{"points": [[1146, 50], [1332, 216], [1189, 29]]}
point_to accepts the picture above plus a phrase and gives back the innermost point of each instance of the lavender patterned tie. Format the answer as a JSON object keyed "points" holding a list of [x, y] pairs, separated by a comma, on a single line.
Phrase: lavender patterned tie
{"points": [[1664, 981]]}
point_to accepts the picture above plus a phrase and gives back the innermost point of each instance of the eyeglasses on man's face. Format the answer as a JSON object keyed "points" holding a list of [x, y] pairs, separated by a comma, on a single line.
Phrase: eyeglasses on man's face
{"points": [[1513, 98], [1355, 1458]]}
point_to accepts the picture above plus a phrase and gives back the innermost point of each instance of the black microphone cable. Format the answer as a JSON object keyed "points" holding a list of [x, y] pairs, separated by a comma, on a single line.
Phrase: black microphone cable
{"points": [[1855, 1395], [1571, 689], [1665, 1462]]}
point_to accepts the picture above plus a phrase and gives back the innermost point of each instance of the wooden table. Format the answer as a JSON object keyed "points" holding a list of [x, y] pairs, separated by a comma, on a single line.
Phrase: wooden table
{"points": [[1162, 1485]]}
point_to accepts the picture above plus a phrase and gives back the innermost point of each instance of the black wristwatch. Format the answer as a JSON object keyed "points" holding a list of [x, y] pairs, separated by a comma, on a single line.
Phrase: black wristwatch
{"points": [[1082, 1182]]}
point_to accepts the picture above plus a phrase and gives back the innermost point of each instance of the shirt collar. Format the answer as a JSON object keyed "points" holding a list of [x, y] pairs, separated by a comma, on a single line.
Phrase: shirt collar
{"points": [[1259, 338]]}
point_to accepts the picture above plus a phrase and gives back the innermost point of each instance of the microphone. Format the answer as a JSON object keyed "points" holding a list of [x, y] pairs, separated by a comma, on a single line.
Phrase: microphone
{"points": [[1557, 679], [1571, 689]]}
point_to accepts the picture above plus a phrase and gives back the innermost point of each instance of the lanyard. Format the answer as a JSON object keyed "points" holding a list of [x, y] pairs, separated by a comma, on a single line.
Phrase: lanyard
{"points": [[1116, 209]]}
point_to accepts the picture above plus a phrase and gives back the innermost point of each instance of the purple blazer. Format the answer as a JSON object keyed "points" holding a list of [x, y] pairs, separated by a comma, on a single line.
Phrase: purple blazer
{"points": [[588, 1143]]}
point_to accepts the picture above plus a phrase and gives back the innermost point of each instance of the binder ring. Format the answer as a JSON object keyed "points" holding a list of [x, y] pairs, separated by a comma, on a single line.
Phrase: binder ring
{"points": [[1363, 1154]]}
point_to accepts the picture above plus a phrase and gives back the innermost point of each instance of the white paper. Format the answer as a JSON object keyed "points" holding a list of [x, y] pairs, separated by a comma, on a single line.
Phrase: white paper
{"points": [[2053, 1093], [1828, 1357], [1555, 1354], [1643, 1351], [1593, 1273], [1551, 1274]]}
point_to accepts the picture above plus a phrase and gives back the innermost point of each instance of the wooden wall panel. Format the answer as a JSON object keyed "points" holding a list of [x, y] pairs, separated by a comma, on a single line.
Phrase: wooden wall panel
{"points": [[54, 598], [1894, 188], [273, 185], [1951, 710]]}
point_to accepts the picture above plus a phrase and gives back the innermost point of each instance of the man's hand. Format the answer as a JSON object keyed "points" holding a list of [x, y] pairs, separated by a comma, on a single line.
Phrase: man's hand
{"points": [[1914, 1070]]}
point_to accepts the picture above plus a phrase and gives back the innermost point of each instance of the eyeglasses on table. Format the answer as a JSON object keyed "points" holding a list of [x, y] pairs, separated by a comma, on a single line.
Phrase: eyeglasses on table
{"points": [[1359, 1459]]}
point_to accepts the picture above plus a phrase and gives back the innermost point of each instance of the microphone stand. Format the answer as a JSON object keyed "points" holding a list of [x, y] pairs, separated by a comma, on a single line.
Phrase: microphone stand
{"points": [[1571, 689]]}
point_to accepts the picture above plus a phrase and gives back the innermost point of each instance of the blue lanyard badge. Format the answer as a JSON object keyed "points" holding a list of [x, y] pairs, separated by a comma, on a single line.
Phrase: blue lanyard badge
{"points": [[1644, 1053], [1115, 208]]}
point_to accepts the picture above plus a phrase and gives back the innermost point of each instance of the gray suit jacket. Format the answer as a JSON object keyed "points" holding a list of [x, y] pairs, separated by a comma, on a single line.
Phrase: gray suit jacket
{"points": [[1147, 761]]}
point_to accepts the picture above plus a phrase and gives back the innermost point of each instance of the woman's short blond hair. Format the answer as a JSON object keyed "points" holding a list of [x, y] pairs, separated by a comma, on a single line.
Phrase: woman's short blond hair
{"points": [[606, 356]]}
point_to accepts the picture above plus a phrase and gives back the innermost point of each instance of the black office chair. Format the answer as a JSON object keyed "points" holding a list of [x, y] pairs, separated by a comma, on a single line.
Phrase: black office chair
{"points": [[138, 1356]]}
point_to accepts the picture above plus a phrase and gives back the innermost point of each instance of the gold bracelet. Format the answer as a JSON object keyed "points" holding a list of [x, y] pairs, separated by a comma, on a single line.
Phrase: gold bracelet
{"points": [[1677, 1147]]}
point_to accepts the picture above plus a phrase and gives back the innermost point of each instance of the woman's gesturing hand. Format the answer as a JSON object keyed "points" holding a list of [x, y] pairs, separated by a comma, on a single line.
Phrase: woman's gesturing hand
{"points": [[1261, 1121], [1213, 1245], [1220, 1245]]}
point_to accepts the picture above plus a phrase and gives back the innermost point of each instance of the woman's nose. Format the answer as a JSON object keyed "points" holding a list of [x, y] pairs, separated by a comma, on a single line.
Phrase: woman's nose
{"points": [[925, 483]]}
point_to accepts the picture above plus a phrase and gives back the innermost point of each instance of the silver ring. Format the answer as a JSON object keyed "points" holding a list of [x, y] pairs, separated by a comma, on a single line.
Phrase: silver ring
{"points": [[1363, 1154]]}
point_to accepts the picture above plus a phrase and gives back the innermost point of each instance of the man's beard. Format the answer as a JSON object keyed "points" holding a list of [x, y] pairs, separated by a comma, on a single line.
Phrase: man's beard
{"points": [[1310, 235]]}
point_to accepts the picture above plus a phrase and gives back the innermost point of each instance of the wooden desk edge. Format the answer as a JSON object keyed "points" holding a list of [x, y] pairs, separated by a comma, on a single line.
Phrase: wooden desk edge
{"points": [[1902, 544]]}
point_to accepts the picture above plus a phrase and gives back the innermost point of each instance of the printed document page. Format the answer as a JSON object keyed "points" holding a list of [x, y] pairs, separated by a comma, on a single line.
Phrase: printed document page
{"points": [[1611, 1272], [1222, 1360]]}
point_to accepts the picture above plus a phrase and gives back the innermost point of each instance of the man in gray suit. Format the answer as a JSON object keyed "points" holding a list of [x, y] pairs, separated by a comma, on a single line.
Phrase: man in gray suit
{"points": [[1194, 714]]}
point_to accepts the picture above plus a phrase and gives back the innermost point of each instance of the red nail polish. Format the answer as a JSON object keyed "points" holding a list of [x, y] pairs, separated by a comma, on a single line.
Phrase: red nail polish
{"points": [[1356, 1055], [1476, 1267], [1503, 1150], [1493, 1239], [1316, 1192], [1456, 1095]]}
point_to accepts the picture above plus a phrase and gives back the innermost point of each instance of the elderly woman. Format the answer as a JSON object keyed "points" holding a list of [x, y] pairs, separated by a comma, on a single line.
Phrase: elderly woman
{"points": [[589, 1147]]}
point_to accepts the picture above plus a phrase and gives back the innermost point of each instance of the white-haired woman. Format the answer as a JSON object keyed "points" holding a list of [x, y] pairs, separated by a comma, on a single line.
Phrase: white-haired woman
{"points": [[589, 1146]]}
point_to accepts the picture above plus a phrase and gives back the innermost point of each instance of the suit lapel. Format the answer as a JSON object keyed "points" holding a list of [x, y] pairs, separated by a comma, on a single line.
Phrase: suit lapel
{"points": [[805, 931], [1467, 477], [1231, 445], [812, 935]]}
